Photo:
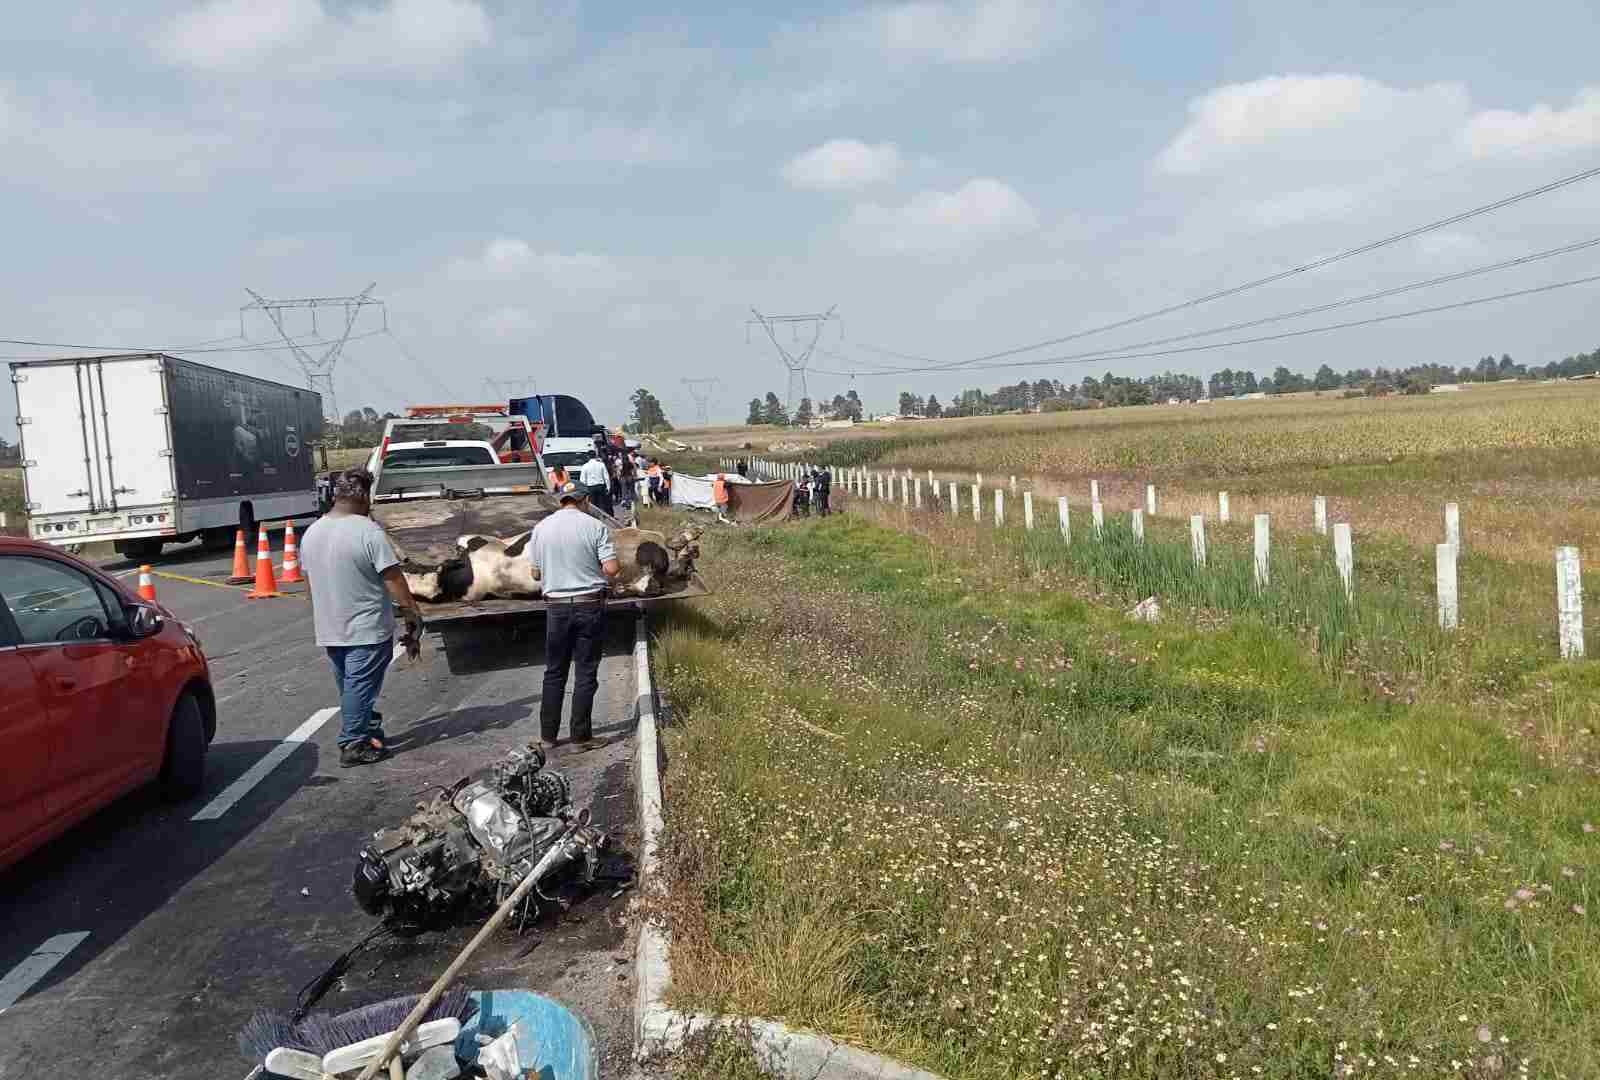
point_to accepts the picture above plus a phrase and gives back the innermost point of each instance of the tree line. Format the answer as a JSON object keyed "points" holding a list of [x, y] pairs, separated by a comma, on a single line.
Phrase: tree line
{"points": [[1050, 395], [770, 410]]}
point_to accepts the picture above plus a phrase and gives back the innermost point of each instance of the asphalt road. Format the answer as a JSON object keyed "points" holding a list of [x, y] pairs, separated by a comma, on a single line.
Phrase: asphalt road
{"points": [[191, 925]]}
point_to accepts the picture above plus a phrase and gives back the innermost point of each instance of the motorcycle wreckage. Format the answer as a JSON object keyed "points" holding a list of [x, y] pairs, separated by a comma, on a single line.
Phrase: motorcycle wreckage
{"points": [[476, 840]]}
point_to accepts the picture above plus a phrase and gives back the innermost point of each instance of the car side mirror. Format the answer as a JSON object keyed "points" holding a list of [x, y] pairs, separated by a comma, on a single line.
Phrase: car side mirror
{"points": [[143, 621]]}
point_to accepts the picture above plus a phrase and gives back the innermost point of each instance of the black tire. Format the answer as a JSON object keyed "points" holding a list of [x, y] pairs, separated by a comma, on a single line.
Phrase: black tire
{"points": [[183, 772], [147, 547]]}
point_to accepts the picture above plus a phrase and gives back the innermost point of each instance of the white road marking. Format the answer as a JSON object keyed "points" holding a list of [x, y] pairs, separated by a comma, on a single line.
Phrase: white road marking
{"points": [[263, 768], [20, 979]]}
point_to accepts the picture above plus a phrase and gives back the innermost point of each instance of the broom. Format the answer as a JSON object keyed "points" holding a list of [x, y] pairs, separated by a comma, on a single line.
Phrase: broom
{"points": [[438, 988]]}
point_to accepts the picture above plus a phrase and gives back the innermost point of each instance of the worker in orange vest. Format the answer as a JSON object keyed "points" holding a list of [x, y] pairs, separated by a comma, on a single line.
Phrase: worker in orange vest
{"points": [[719, 495], [558, 478]]}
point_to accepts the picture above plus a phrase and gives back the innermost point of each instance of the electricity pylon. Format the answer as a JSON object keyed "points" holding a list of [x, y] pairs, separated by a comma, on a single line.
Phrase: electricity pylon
{"points": [[319, 369], [794, 361], [511, 388], [701, 390]]}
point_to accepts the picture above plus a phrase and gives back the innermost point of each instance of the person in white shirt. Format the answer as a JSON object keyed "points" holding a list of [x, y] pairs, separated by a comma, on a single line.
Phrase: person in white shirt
{"points": [[597, 481], [577, 560]]}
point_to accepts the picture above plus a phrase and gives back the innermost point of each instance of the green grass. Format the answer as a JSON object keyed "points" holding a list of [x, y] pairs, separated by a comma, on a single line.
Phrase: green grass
{"points": [[906, 757]]}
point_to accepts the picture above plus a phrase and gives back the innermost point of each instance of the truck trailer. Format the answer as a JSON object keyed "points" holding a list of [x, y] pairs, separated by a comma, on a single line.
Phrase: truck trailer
{"points": [[145, 449]]}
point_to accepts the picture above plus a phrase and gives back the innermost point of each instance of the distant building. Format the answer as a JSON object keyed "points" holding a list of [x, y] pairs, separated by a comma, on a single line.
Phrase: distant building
{"points": [[1445, 388]]}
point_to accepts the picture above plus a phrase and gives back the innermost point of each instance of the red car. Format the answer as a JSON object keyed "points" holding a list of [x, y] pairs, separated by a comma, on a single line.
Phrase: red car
{"points": [[100, 692]]}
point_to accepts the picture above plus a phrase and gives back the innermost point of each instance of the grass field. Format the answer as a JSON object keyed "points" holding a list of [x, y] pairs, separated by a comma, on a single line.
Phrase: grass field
{"points": [[1521, 459], [933, 792]]}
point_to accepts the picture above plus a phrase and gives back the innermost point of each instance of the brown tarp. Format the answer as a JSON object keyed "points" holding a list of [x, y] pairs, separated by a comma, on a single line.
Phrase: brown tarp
{"points": [[753, 504]]}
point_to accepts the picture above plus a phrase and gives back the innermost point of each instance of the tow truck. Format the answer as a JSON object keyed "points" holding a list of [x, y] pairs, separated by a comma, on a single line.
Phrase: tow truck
{"points": [[425, 509]]}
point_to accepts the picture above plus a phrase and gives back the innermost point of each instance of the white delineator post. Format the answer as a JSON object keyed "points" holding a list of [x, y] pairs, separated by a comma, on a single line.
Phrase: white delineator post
{"points": [[933, 485], [1027, 510], [1136, 523], [1098, 513], [955, 498], [977, 504], [1319, 514], [999, 507], [1263, 549], [977, 479], [1066, 518], [1344, 558], [1569, 602], [1444, 563], [1197, 538], [905, 491], [1094, 491], [1013, 485], [1150, 499], [1452, 524], [917, 492], [1222, 507]]}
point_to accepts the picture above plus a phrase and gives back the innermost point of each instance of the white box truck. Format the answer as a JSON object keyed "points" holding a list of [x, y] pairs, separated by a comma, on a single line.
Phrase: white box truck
{"points": [[145, 449]]}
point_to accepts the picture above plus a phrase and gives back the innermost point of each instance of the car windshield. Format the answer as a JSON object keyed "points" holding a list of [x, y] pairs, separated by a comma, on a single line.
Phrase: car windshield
{"points": [[433, 457], [569, 459]]}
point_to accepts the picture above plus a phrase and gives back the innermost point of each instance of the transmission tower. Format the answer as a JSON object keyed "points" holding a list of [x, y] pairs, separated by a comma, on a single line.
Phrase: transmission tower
{"points": [[511, 388], [701, 390], [795, 361], [318, 369]]}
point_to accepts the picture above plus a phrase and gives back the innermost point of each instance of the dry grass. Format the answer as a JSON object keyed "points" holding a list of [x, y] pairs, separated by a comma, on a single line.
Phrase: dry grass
{"points": [[929, 794], [1521, 460]]}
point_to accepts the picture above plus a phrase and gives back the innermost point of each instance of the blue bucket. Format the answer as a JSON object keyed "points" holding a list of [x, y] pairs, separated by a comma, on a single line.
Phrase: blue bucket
{"points": [[552, 1040]]}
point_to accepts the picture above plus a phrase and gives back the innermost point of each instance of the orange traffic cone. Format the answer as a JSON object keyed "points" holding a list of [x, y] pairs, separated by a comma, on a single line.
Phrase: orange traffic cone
{"points": [[147, 587], [266, 584], [291, 558], [241, 562]]}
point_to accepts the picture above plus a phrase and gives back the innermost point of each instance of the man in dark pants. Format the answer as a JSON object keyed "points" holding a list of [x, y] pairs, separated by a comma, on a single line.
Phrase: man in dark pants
{"points": [[576, 560], [354, 578]]}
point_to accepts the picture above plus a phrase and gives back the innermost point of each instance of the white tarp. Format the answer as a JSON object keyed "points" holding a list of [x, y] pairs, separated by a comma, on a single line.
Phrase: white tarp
{"points": [[695, 491], [692, 491]]}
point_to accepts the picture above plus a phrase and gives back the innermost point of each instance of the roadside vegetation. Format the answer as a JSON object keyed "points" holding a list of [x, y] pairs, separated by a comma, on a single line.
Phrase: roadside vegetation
{"points": [[1521, 459], [933, 792]]}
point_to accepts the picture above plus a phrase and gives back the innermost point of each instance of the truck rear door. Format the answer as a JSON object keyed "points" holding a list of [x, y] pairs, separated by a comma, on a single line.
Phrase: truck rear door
{"points": [[94, 434]]}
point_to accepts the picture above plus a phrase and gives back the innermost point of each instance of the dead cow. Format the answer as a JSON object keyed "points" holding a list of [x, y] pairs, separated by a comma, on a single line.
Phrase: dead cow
{"points": [[487, 566]]}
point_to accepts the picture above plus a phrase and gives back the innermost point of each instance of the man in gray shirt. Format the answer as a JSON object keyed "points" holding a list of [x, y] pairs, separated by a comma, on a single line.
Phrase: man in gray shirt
{"points": [[355, 582], [576, 560]]}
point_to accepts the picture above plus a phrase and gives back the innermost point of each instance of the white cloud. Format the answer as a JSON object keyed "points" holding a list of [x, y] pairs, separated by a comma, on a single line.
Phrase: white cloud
{"points": [[945, 220], [843, 165], [506, 324], [964, 32], [1540, 130], [511, 259], [1312, 119], [302, 37]]}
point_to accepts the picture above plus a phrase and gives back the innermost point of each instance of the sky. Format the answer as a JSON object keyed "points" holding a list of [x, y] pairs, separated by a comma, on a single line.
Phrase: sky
{"points": [[588, 199]]}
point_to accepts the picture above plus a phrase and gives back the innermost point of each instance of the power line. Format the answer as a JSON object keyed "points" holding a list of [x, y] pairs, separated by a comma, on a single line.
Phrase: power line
{"points": [[1444, 279], [422, 369], [133, 349], [1302, 268], [1061, 360]]}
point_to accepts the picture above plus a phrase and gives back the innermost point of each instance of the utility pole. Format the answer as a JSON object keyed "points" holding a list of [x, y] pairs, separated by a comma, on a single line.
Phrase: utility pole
{"points": [[701, 390], [319, 369], [795, 361]]}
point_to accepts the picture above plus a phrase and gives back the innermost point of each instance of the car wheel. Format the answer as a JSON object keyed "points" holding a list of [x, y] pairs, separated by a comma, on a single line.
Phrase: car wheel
{"points": [[183, 772]]}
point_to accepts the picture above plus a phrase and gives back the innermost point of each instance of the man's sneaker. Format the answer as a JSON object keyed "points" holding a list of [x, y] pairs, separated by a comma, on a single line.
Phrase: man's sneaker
{"points": [[361, 753]]}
